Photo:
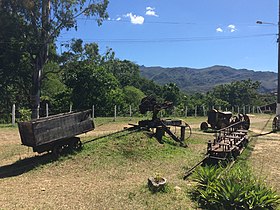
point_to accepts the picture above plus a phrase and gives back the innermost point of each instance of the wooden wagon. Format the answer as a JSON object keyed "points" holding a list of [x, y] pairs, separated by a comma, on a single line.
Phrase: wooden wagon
{"points": [[57, 132]]}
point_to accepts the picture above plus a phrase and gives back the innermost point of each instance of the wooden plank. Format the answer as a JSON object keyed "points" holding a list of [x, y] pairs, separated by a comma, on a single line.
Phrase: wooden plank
{"points": [[49, 129]]}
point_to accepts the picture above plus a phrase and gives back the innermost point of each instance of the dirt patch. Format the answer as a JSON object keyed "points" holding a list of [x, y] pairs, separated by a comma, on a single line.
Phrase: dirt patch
{"points": [[265, 160], [9, 136]]}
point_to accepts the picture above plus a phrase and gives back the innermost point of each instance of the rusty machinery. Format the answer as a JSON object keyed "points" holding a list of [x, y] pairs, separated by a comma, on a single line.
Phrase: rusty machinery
{"points": [[162, 126], [218, 120], [227, 145]]}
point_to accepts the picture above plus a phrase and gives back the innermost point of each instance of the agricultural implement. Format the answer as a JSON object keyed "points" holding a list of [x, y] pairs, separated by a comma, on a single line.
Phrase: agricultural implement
{"points": [[56, 133], [218, 120], [162, 126], [228, 142], [227, 145]]}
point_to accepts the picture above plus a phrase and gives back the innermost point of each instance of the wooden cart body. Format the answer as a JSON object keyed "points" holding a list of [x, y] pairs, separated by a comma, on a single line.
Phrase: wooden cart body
{"points": [[44, 133]]}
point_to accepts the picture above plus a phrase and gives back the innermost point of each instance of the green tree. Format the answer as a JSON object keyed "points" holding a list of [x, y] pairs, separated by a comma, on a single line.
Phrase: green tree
{"points": [[133, 96], [125, 71], [93, 85], [171, 92], [239, 93], [15, 63], [42, 21], [149, 87]]}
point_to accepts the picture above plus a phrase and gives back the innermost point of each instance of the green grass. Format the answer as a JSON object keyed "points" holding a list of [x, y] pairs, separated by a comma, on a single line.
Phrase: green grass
{"points": [[8, 126], [122, 162]]}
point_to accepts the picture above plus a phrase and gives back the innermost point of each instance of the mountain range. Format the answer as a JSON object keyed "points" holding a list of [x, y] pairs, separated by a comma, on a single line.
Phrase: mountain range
{"points": [[202, 80]]}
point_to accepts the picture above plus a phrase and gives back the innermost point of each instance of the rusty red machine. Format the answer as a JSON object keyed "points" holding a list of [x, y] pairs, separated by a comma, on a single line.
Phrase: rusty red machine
{"points": [[162, 126]]}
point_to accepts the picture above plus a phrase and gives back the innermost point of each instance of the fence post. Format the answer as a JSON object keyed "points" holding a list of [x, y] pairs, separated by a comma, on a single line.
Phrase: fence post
{"points": [[244, 110], [92, 115], [13, 114], [130, 112], [70, 109], [253, 110], [195, 111], [238, 110], [47, 109], [204, 111], [38, 111], [174, 111], [115, 112], [186, 111], [232, 109]]}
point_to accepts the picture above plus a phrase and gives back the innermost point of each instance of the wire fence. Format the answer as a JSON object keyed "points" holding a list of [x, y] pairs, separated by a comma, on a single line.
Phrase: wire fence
{"points": [[18, 114]]}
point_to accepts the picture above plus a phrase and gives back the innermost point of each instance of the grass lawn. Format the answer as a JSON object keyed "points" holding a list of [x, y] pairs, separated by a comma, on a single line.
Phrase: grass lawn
{"points": [[111, 172]]}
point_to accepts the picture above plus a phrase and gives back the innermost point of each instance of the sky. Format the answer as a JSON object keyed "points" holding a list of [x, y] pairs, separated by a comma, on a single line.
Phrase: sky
{"points": [[187, 33]]}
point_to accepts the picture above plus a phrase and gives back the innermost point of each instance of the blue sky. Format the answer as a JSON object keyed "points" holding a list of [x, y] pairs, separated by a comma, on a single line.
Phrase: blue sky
{"points": [[187, 33]]}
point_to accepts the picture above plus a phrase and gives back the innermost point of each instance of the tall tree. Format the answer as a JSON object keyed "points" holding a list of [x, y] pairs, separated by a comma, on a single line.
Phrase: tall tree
{"points": [[238, 93], [45, 19]]}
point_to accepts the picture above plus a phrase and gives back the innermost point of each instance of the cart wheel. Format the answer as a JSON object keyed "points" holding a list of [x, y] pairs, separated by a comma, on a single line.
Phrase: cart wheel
{"points": [[276, 123], [77, 145], [204, 126], [57, 150], [246, 124]]}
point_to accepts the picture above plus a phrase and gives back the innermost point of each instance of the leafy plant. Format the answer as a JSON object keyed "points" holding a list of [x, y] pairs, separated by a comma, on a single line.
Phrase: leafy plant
{"points": [[25, 114], [233, 190], [158, 178]]}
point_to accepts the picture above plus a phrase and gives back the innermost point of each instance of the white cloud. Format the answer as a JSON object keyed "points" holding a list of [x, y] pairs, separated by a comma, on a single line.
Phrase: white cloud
{"points": [[232, 28], [134, 19], [150, 11], [219, 30], [118, 19]]}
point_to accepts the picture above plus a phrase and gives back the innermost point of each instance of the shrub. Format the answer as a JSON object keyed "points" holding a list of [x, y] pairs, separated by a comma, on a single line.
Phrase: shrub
{"points": [[233, 190], [25, 114]]}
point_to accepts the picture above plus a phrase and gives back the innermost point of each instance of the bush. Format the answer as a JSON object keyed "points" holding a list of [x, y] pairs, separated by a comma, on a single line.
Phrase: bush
{"points": [[25, 115], [234, 190]]}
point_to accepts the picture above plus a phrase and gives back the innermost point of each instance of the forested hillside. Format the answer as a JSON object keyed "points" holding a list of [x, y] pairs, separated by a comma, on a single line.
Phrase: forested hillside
{"points": [[202, 80]]}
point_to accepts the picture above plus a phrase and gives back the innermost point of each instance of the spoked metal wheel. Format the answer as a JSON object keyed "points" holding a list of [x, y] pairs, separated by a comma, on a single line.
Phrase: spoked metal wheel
{"points": [[276, 123]]}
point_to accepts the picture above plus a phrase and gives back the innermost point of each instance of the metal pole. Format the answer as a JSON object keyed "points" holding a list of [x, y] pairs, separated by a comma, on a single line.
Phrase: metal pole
{"points": [[278, 87]]}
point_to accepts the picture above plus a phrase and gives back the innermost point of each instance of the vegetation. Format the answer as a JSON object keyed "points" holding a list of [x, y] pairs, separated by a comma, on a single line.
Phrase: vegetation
{"points": [[202, 80], [232, 190], [84, 76], [32, 73], [112, 172], [28, 31]]}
